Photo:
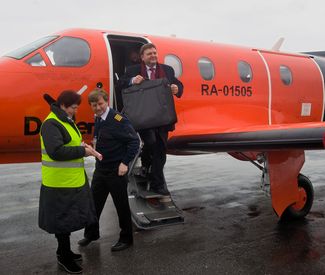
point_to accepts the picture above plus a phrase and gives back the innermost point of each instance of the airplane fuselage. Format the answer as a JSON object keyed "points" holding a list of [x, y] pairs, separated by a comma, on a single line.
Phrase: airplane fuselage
{"points": [[267, 104], [227, 88]]}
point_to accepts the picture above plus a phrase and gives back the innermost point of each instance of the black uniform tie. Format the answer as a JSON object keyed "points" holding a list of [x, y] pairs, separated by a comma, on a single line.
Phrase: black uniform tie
{"points": [[97, 126]]}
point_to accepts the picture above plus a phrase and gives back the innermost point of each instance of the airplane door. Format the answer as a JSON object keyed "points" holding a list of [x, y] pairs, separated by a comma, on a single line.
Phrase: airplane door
{"points": [[119, 49], [296, 92], [148, 210]]}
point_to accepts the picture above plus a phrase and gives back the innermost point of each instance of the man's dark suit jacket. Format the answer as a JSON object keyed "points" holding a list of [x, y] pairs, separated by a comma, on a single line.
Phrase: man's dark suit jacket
{"points": [[135, 70]]}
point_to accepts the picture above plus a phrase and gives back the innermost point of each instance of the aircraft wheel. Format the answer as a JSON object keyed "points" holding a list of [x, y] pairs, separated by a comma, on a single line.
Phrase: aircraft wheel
{"points": [[305, 201]]}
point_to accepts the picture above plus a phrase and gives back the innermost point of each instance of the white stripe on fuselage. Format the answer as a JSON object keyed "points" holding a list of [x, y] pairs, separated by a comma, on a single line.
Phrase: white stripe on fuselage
{"points": [[270, 87], [321, 74]]}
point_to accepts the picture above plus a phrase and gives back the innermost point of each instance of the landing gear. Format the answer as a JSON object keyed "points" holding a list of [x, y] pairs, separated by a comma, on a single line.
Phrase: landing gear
{"points": [[291, 193], [305, 201]]}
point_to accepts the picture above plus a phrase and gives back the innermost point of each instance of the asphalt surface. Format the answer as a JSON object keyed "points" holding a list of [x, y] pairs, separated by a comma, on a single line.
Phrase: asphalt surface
{"points": [[230, 227]]}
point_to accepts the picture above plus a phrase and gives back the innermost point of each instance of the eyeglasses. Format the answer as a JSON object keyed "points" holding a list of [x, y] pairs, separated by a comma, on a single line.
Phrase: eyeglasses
{"points": [[74, 106]]}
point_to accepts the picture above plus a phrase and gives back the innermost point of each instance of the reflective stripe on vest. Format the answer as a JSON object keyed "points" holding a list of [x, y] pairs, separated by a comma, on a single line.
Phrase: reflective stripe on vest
{"points": [[62, 164], [64, 174]]}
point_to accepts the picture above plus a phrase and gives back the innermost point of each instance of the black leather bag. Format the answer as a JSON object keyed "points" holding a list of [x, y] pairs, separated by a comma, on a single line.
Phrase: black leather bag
{"points": [[149, 104]]}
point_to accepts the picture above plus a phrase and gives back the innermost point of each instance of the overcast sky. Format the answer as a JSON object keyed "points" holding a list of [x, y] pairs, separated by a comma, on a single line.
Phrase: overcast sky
{"points": [[253, 23]]}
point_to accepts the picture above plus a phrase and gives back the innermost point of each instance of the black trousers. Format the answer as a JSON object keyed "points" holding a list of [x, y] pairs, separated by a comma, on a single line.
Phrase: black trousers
{"points": [[154, 154], [104, 182]]}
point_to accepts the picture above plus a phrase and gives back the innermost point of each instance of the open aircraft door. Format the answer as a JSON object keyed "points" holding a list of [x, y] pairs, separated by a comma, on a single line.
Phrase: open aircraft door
{"points": [[148, 210]]}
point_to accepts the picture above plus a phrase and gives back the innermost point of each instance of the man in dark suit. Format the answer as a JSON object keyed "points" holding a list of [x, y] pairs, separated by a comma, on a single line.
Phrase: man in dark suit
{"points": [[155, 140]]}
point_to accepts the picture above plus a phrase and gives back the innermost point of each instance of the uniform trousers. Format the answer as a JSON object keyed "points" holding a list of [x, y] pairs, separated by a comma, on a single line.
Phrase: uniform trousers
{"points": [[104, 182]]}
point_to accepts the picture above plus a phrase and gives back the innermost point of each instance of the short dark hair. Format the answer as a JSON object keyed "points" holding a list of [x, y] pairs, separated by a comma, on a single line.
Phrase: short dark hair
{"points": [[68, 98], [95, 94], [146, 46]]}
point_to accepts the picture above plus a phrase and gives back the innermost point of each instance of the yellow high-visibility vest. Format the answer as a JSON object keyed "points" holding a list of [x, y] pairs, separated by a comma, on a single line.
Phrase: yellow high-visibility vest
{"points": [[63, 174]]}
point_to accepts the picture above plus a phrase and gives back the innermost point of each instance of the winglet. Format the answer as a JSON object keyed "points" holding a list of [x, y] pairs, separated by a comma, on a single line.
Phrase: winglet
{"points": [[276, 47]]}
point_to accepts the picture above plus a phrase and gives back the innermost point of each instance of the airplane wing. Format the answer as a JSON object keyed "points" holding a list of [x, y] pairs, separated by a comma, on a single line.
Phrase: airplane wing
{"points": [[256, 138]]}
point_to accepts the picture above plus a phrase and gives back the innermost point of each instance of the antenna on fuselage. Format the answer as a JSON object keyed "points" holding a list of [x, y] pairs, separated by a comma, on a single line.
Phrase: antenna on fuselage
{"points": [[276, 47], [83, 88], [48, 99]]}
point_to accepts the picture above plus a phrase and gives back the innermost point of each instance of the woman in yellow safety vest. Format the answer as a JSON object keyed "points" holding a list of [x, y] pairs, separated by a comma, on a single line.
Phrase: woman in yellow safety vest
{"points": [[66, 204]]}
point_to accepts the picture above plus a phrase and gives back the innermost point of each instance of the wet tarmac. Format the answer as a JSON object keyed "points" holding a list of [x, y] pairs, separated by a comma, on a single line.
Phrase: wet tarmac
{"points": [[230, 227]]}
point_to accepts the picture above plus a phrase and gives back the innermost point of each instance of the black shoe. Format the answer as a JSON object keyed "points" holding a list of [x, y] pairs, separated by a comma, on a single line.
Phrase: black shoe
{"points": [[121, 246], [85, 241], [69, 265], [74, 256]]}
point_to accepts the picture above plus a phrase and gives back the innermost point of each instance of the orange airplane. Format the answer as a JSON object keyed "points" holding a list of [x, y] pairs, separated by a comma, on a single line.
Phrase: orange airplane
{"points": [[259, 105]]}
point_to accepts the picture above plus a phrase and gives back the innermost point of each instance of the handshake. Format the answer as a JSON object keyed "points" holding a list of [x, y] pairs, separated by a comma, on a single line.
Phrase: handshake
{"points": [[90, 151]]}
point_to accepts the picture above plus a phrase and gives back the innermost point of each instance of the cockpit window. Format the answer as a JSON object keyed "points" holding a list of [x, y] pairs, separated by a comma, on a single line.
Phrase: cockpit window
{"points": [[68, 52], [36, 61], [175, 62], [26, 50]]}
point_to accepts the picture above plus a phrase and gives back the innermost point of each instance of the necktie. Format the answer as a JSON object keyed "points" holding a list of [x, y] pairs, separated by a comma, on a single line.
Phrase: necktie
{"points": [[97, 124], [153, 73]]}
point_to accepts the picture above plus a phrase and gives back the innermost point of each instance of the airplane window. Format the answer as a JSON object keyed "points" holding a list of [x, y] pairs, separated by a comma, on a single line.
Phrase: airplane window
{"points": [[68, 52], [26, 50], [286, 75], [245, 71], [36, 61], [206, 68], [175, 62]]}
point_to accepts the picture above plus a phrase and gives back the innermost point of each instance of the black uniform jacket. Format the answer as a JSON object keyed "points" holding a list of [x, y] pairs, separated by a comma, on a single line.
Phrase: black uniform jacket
{"points": [[63, 210], [117, 141], [135, 70]]}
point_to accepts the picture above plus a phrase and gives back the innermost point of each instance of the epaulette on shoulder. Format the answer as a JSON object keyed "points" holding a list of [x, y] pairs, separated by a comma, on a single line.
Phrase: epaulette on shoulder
{"points": [[118, 117]]}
